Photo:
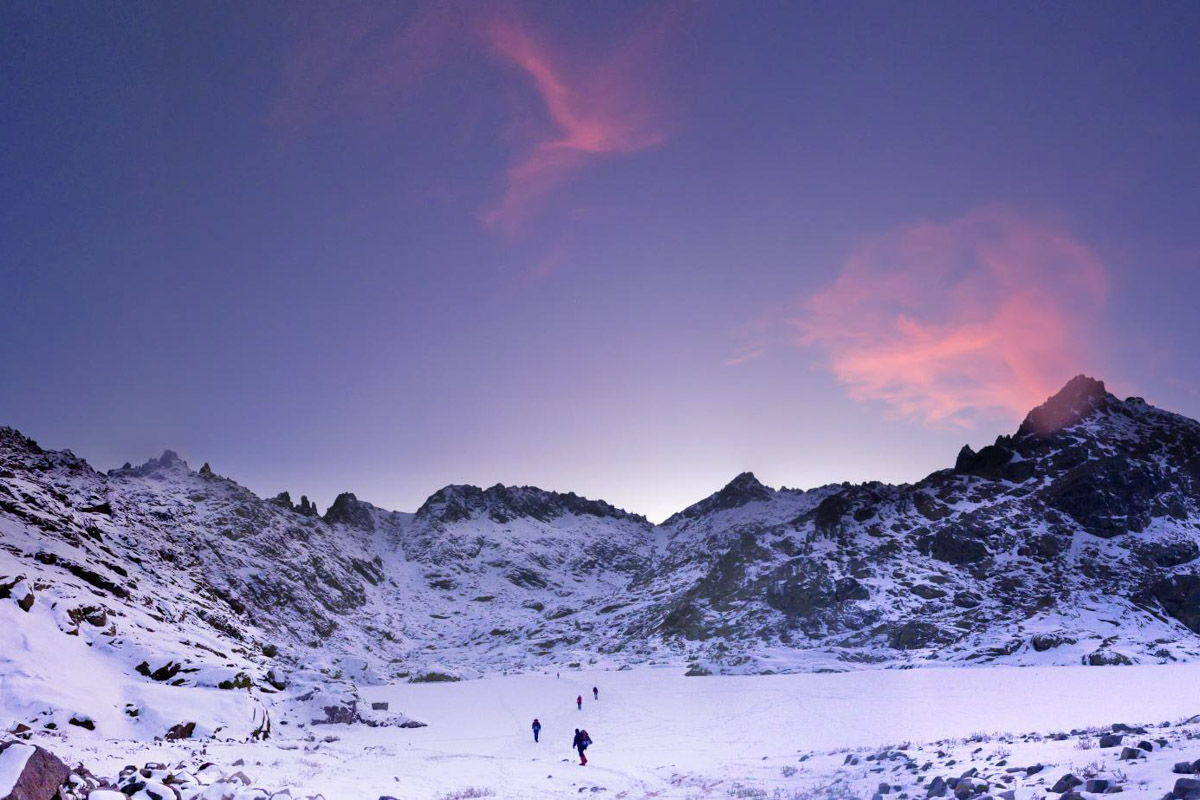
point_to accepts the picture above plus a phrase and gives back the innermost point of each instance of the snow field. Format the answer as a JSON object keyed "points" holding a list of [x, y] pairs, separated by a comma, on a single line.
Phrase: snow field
{"points": [[659, 734]]}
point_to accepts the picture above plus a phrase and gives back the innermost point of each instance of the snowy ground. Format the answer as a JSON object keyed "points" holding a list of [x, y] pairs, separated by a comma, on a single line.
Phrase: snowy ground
{"points": [[660, 734]]}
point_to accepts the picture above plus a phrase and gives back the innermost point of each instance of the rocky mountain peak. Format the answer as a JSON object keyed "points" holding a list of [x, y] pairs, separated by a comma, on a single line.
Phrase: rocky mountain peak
{"points": [[1079, 398], [740, 491], [168, 462], [502, 504], [348, 510], [13, 440]]}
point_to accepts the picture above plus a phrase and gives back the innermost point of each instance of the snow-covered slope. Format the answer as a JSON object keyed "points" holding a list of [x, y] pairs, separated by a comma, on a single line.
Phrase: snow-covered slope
{"points": [[1073, 541]]}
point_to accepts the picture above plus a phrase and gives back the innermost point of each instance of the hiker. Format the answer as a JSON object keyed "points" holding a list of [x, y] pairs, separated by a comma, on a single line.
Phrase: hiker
{"points": [[580, 743], [595, 693], [579, 702], [537, 728]]}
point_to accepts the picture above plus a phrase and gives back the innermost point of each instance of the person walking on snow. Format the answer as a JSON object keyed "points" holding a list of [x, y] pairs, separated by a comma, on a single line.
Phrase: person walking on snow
{"points": [[580, 743], [537, 728], [579, 702], [595, 693]]}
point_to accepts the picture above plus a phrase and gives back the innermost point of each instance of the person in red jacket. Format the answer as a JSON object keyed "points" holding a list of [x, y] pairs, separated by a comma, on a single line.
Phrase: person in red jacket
{"points": [[579, 702]]}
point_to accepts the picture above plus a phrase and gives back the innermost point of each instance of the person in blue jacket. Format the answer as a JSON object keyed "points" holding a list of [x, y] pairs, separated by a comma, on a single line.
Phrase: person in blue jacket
{"points": [[537, 728]]}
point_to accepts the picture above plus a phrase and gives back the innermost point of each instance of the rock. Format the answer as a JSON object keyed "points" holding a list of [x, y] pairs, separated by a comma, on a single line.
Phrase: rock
{"points": [[1121, 727], [181, 731], [1131, 754], [936, 788], [1180, 597], [1046, 641], [1097, 785], [1111, 740], [19, 592], [1107, 658], [1183, 768], [1147, 746], [1065, 784], [1185, 787], [1034, 770], [39, 773]]}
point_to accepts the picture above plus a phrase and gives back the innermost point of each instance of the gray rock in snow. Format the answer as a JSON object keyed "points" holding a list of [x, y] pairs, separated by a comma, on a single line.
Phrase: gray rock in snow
{"points": [[41, 776], [1065, 783]]}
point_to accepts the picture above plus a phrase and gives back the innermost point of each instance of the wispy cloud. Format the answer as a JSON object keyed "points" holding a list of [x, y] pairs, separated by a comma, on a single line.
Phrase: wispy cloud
{"points": [[950, 322], [368, 60], [364, 59], [593, 110]]}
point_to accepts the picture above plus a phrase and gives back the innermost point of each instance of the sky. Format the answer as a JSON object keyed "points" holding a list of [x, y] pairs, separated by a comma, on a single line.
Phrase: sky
{"points": [[623, 249]]}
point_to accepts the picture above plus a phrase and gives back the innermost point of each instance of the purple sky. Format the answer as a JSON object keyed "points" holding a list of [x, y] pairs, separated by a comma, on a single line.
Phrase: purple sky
{"points": [[623, 249]]}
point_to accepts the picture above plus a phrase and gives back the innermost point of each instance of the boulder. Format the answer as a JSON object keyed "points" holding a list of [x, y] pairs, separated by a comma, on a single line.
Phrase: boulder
{"points": [[1065, 784], [1185, 787], [936, 788], [19, 591], [1111, 739], [1131, 754], [183, 730], [37, 773]]}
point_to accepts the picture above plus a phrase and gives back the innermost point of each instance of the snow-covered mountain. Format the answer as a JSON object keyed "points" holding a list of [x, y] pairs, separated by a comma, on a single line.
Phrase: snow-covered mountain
{"points": [[1072, 541]]}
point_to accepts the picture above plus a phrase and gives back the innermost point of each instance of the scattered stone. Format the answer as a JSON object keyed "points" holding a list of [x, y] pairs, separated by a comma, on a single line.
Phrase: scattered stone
{"points": [[1065, 783]]}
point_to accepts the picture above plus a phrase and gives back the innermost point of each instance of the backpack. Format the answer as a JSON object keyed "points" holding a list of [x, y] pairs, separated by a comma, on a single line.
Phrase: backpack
{"points": [[584, 740]]}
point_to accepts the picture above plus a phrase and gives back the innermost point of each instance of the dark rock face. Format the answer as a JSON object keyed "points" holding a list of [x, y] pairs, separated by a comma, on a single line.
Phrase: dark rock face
{"points": [[916, 634], [1107, 498], [1076, 400], [954, 547], [1180, 597], [42, 776], [987, 463], [347, 510]]}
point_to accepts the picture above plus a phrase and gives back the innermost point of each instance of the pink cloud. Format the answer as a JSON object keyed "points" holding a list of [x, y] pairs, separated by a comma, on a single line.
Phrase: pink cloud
{"points": [[948, 322], [593, 109], [369, 60]]}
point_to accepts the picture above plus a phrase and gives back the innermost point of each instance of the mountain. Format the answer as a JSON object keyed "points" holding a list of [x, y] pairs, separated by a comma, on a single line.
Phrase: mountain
{"points": [[1072, 540]]}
